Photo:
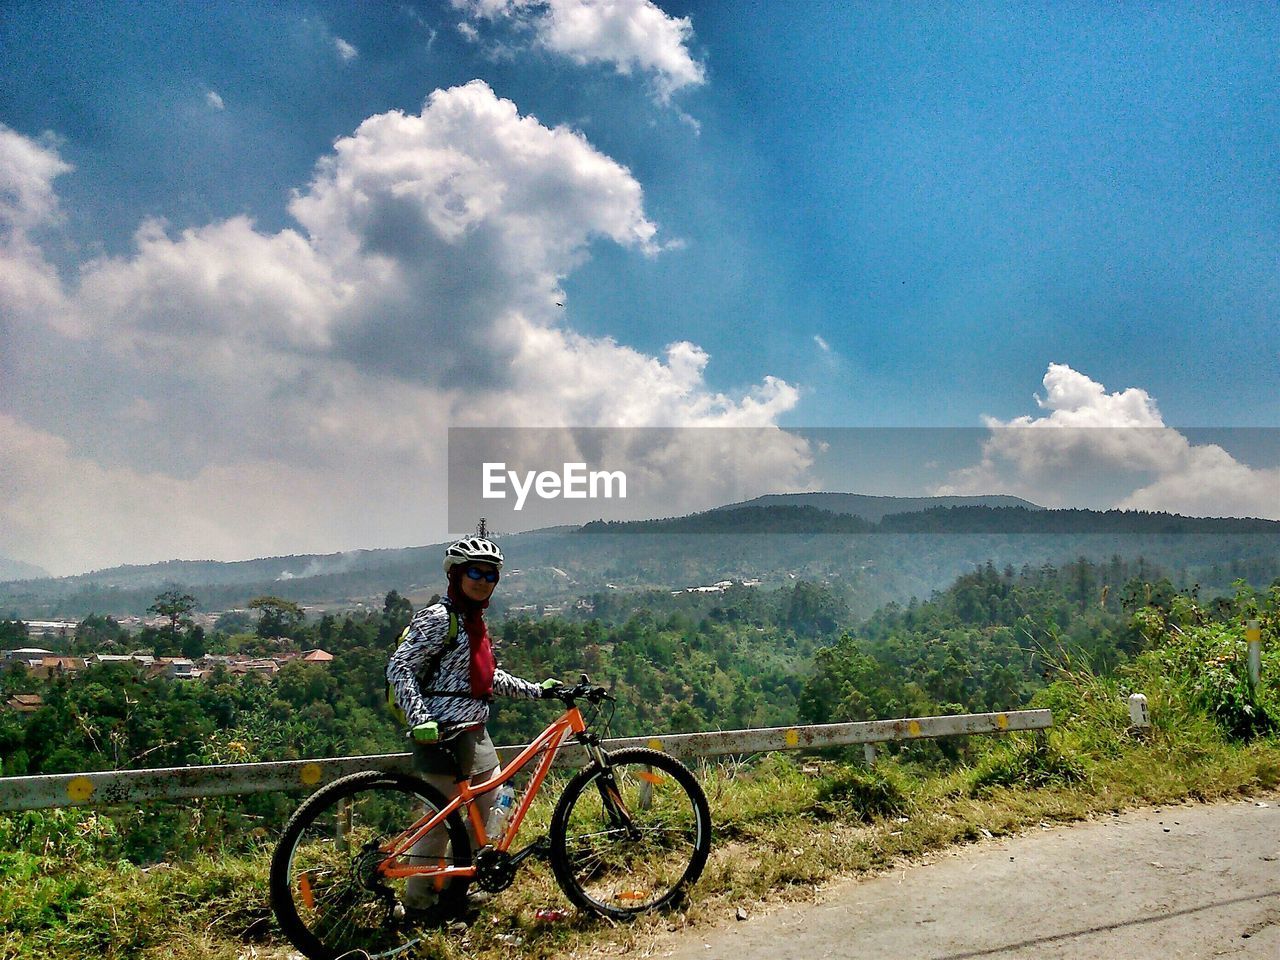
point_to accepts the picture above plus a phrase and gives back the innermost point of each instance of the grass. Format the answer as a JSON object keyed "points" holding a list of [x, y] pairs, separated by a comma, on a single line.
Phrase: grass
{"points": [[782, 829]]}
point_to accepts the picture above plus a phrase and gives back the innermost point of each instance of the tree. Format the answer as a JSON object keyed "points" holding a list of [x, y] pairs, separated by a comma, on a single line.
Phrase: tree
{"points": [[95, 632], [175, 606], [277, 617], [13, 632], [233, 621], [193, 644]]}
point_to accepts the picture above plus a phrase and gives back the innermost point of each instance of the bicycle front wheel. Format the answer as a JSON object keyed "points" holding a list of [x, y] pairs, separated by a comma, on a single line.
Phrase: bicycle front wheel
{"points": [[327, 889], [630, 837]]}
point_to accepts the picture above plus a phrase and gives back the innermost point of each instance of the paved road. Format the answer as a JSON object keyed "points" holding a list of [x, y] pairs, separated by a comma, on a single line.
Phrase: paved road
{"points": [[1166, 884]]}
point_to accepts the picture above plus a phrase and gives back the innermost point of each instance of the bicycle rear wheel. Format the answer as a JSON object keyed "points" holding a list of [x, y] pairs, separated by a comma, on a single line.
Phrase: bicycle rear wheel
{"points": [[326, 891], [631, 837]]}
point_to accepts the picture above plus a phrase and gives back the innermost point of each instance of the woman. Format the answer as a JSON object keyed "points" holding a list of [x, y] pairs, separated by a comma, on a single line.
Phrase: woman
{"points": [[444, 683]]}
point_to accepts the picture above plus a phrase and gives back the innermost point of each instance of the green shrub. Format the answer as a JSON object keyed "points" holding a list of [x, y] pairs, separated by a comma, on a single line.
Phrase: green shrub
{"points": [[1026, 765], [862, 793], [1206, 664]]}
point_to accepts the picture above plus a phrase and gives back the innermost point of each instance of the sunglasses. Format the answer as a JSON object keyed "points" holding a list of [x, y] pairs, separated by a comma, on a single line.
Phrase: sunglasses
{"points": [[488, 576]]}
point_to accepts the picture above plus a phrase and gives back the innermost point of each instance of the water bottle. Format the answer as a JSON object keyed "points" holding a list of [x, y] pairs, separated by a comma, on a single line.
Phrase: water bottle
{"points": [[504, 799]]}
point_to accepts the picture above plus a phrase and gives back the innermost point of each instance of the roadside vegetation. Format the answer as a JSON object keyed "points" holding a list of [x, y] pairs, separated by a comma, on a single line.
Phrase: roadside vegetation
{"points": [[72, 884]]}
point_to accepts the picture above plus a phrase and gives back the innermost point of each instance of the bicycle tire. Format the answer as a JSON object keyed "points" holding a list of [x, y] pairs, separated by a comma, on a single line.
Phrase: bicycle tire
{"points": [[341, 873], [620, 872]]}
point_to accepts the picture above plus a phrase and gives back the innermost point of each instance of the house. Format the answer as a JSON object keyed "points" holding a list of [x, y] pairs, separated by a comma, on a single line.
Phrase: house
{"points": [[267, 668], [25, 702], [173, 668], [133, 659], [25, 655], [54, 666], [59, 628], [317, 656], [180, 668]]}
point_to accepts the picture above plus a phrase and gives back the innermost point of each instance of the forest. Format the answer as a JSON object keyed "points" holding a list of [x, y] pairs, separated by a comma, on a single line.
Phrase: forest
{"points": [[676, 662]]}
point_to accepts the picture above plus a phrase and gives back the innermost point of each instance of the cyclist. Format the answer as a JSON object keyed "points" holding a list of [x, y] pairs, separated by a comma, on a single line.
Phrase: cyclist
{"points": [[443, 676]]}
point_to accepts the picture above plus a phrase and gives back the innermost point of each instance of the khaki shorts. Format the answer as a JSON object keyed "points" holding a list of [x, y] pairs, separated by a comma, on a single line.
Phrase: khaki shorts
{"points": [[471, 750]]}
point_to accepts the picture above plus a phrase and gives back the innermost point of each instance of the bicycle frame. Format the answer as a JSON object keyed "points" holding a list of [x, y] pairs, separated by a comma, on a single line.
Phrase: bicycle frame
{"points": [[551, 739]]}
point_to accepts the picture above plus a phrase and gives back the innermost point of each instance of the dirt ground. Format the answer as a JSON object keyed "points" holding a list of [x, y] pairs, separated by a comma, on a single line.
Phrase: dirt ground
{"points": [[1182, 881]]}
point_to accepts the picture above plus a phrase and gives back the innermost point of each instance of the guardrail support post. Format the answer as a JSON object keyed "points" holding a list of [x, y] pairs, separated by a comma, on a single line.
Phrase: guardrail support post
{"points": [[1253, 635], [869, 754], [646, 790], [343, 826]]}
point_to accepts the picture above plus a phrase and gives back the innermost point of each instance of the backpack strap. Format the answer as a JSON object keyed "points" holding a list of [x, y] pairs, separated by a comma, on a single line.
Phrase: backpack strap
{"points": [[433, 665]]}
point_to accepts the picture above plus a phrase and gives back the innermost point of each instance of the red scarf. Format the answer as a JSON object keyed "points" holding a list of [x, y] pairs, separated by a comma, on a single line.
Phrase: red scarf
{"points": [[482, 663]]}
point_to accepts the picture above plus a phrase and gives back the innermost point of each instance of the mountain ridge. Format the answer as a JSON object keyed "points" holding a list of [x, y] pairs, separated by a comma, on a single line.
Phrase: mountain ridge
{"points": [[908, 552], [11, 570], [874, 507]]}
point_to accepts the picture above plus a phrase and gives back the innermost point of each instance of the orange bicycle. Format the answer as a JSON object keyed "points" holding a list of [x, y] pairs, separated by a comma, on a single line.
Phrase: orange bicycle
{"points": [[630, 833]]}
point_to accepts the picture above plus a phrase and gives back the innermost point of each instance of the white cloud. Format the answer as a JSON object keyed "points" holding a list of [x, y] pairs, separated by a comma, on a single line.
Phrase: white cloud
{"points": [[27, 171], [29, 287], [226, 391], [822, 344], [630, 35], [345, 50], [214, 100], [226, 279], [80, 514], [1089, 440]]}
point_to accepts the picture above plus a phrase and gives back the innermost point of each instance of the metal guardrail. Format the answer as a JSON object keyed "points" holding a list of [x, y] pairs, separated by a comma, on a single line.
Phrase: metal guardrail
{"points": [[176, 783]]}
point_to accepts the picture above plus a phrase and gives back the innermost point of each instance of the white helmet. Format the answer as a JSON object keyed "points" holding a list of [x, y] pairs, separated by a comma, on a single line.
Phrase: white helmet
{"points": [[472, 550]]}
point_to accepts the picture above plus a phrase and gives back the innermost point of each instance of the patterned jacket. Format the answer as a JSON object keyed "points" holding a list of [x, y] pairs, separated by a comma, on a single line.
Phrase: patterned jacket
{"points": [[428, 634]]}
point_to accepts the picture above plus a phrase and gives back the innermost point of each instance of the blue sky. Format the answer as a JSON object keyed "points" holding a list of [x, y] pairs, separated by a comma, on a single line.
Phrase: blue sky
{"points": [[852, 214]]}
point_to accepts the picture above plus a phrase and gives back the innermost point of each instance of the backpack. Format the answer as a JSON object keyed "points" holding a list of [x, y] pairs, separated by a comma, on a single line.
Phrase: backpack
{"points": [[433, 666]]}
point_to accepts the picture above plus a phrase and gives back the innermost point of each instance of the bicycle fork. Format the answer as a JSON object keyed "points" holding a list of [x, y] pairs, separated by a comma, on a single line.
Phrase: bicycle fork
{"points": [[615, 808]]}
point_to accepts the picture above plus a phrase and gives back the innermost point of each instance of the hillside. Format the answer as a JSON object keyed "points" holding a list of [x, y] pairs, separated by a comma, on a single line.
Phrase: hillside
{"points": [[870, 562], [874, 508], [782, 826], [18, 570]]}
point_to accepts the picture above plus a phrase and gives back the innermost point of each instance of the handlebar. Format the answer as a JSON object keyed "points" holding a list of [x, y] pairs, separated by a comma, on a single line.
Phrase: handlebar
{"points": [[584, 689]]}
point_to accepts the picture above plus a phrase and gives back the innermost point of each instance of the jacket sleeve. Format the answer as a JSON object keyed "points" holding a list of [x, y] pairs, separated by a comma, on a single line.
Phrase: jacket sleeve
{"points": [[428, 632], [506, 685]]}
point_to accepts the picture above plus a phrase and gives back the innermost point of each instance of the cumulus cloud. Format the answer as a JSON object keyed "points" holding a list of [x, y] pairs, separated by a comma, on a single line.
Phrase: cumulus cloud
{"points": [[27, 171], [29, 286], [462, 220], [345, 50], [629, 35], [214, 100], [228, 391], [222, 279], [1101, 449]]}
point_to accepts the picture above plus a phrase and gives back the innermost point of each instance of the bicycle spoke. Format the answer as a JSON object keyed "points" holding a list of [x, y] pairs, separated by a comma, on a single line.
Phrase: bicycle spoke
{"points": [[622, 865], [333, 896]]}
